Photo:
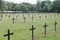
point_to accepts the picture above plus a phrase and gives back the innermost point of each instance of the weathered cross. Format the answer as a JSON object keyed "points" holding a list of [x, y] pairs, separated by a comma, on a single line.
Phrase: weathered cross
{"points": [[24, 18], [8, 34], [45, 28], [13, 20], [32, 32], [32, 17], [55, 25]]}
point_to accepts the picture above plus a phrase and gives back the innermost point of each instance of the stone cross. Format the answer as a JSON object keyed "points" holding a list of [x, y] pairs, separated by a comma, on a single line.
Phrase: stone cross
{"points": [[24, 18], [32, 17], [8, 34], [32, 32], [13, 20], [45, 28], [55, 25]]}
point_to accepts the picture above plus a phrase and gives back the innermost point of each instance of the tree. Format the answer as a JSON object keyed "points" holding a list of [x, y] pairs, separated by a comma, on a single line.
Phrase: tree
{"points": [[38, 6], [10, 5], [56, 6], [23, 8], [2, 5], [47, 6], [16, 8], [32, 7]]}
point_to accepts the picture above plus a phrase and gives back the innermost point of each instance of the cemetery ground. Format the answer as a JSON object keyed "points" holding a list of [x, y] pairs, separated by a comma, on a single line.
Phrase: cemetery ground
{"points": [[22, 30]]}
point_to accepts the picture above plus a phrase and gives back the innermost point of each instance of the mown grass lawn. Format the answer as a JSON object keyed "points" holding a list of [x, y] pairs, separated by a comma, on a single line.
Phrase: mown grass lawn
{"points": [[21, 30]]}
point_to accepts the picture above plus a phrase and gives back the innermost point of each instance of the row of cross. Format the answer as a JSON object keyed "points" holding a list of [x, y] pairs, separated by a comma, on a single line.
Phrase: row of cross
{"points": [[14, 18], [45, 26]]}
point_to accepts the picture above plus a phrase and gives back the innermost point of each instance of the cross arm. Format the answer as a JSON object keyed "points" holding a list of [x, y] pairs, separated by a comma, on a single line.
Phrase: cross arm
{"points": [[8, 34], [33, 28]]}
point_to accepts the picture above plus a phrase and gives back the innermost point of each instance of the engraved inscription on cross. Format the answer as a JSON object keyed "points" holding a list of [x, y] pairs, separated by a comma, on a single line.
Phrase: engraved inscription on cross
{"points": [[8, 34], [45, 28], [32, 32]]}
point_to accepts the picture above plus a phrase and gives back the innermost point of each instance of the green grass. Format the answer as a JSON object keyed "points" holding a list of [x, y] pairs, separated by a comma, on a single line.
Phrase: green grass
{"points": [[21, 30]]}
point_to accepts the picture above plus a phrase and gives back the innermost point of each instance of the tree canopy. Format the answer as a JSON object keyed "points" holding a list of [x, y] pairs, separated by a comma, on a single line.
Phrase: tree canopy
{"points": [[41, 6], [2, 5]]}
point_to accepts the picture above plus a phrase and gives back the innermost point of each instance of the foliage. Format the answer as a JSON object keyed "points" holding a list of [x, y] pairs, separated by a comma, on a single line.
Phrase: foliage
{"points": [[2, 5], [41, 6], [56, 5]]}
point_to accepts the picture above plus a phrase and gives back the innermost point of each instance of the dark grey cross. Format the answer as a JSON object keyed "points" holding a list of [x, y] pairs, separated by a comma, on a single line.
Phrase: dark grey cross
{"points": [[32, 32], [32, 17], [45, 28], [13, 20], [8, 34], [55, 25], [24, 18]]}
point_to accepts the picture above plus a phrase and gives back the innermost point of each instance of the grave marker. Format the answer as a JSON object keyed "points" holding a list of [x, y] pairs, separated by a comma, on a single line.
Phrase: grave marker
{"points": [[8, 34], [55, 25], [32, 18], [40, 17], [13, 20], [24, 18], [32, 32], [45, 28]]}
